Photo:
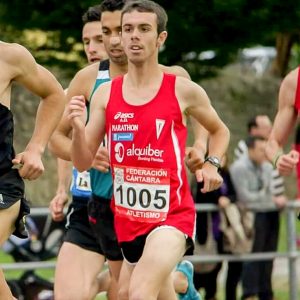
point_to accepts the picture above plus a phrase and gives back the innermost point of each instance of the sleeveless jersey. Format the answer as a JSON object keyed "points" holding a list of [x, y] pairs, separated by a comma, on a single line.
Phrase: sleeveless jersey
{"points": [[297, 146], [297, 98], [101, 183], [81, 181], [11, 184], [147, 148]]}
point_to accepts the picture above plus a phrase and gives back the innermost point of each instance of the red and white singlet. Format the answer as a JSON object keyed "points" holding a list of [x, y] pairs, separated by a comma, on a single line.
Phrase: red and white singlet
{"points": [[147, 148], [297, 97]]}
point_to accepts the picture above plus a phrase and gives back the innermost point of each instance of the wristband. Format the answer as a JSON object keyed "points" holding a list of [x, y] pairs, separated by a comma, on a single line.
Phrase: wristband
{"points": [[214, 161], [276, 157]]}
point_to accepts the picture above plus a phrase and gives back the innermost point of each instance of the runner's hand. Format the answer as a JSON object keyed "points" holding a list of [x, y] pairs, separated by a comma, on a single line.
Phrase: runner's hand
{"points": [[194, 158], [57, 205], [101, 160], [76, 112], [287, 162], [210, 177], [29, 163]]}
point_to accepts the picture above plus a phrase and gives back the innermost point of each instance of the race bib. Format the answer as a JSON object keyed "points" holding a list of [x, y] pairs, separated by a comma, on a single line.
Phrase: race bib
{"points": [[83, 181], [142, 194]]}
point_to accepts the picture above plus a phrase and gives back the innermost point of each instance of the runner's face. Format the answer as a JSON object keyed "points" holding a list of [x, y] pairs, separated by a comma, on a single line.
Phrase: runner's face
{"points": [[139, 35], [92, 41], [257, 154], [264, 126], [111, 28]]}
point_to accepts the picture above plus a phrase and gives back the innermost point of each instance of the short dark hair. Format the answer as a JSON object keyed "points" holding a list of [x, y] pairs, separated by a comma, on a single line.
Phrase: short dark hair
{"points": [[148, 6], [251, 140], [92, 14], [112, 5], [251, 123]]}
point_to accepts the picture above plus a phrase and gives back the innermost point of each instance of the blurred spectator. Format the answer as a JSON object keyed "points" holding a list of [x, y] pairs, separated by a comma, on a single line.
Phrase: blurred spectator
{"points": [[261, 125], [208, 235], [251, 176]]}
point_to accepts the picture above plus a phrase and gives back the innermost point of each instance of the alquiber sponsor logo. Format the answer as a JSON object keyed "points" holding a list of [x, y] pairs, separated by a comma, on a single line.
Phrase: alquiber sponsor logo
{"points": [[147, 151]]}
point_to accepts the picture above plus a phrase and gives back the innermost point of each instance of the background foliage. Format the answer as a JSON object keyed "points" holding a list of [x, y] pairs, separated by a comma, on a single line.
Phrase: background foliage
{"points": [[52, 31], [194, 26]]}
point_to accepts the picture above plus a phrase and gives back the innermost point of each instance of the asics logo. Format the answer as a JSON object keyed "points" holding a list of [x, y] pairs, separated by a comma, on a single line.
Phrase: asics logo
{"points": [[120, 115]]}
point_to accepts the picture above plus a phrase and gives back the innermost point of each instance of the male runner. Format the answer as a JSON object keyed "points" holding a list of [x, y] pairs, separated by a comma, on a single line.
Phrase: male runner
{"points": [[80, 258], [99, 206], [18, 65], [144, 113]]}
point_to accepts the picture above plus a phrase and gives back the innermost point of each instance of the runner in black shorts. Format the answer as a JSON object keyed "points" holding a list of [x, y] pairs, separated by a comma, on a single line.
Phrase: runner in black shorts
{"points": [[17, 64], [11, 183], [102, 222], [81, 257], [78, 228]]}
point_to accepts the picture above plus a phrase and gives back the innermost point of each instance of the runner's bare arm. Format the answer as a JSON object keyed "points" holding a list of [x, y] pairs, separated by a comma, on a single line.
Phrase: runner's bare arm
{"points": [[41, 82], [195, 154], [286, 116], [86, 141], [194, 101], [64, 172], [81, 84], [284, 123]]}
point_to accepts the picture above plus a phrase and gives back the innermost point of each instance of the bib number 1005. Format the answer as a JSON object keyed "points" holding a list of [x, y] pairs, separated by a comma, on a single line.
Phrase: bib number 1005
{"points": [[142, 198]]}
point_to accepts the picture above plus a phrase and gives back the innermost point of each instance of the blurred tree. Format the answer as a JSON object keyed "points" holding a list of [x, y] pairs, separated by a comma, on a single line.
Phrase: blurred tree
{"points": [[49, 28], [194, 26], [225, 26]]}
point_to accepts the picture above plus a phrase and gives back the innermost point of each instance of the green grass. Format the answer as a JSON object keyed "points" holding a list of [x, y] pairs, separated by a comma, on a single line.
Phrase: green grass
{"points": [[14, 274]]}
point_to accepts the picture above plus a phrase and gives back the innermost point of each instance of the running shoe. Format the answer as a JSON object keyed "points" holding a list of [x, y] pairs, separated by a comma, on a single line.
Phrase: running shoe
{"points": [[187, 268]]}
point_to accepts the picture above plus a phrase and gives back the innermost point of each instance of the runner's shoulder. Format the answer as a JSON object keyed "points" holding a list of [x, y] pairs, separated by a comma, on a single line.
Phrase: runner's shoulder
{"points": [[288, 88], [175, 70], [16, 56], [89, 72]]}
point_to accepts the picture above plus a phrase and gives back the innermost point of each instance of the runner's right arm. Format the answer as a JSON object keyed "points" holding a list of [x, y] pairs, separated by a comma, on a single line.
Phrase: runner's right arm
{"points": [[82, 84], [57, 204]]}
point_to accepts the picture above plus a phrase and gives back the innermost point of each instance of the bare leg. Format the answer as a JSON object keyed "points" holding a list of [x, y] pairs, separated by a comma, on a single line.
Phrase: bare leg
{"points": [[115, 268], [77, 265], [180, 282], [8, 217], [167, 291], [104, 281], [124, 280], [163, 250], [112, 292]]}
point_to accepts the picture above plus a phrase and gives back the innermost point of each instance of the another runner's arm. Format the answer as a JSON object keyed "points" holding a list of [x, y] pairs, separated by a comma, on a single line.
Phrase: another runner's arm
{"points": [[195, 154], [286, 116], [41, 82], [64, 174], [86, 141], [195, 102], [81, 84]]}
